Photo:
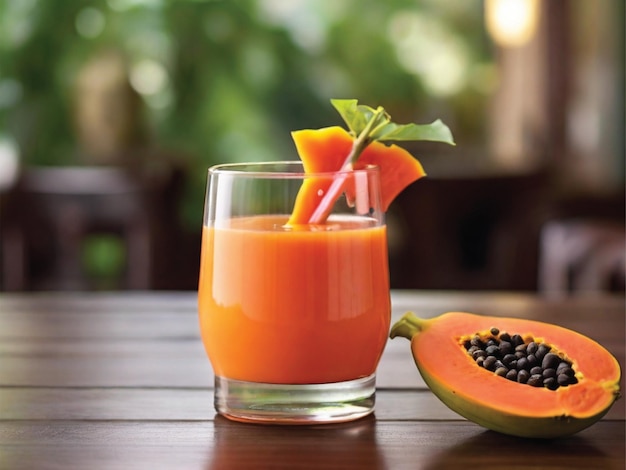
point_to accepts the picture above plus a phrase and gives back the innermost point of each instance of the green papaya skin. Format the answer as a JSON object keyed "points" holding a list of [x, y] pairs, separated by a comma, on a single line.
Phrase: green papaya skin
{"points": [[494, 402]]}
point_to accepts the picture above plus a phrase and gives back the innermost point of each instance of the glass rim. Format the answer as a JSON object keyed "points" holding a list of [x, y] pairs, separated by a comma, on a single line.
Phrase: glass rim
{"points": [[256, 169]]}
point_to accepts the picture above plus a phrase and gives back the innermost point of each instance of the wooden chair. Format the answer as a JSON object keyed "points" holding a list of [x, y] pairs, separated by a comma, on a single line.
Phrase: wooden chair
{"points": [[476, 231], [582, 255], [59, 207]]}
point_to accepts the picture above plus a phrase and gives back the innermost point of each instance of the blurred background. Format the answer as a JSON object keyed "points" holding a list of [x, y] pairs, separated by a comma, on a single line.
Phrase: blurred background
{"points": [[111, 111]]}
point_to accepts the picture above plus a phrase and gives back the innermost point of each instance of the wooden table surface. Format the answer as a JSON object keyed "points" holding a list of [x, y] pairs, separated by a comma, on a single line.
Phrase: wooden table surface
{"points": [[121, 380]]}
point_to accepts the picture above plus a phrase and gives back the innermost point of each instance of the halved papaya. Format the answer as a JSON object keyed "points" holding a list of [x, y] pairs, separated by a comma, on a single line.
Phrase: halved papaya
{"points": [[325, 150], [443, 353]]}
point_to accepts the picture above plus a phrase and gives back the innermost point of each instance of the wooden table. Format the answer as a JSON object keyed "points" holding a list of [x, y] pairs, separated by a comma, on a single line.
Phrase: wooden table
{"points": [[121, 381]]}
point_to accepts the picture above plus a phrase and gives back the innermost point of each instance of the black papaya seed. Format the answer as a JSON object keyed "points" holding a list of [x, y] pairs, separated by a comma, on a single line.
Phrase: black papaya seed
{"points": [[504, 336], [531, 348], [572, 380], [547, 373], [479, 353], [550, 383], [535, 380], [517, 340], [532, 360], [493, 350], [501, 371], [489, 363], [542, 350], [511, 374], [536, 370], [564, 366], [522, 364], [508, 359], [563, 379], [505, 347], [550, 361], [522, 376], [520, 348]]}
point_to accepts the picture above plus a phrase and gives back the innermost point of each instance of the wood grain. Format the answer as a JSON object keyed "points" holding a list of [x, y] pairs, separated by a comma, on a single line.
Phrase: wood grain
{"points": [[118, 380], [368, 443]]}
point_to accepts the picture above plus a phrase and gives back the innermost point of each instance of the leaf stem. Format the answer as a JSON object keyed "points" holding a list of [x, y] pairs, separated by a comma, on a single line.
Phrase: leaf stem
{"points": [[360, 143], [363, 139]]}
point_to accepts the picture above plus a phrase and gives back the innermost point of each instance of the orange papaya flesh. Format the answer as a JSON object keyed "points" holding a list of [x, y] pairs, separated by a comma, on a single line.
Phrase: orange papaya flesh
{"points": [[504, 405], [325, 151]]}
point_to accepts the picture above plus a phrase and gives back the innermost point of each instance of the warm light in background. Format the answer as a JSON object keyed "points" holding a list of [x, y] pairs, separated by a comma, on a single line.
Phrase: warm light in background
{"points": [[9, 162], [511, 23]]}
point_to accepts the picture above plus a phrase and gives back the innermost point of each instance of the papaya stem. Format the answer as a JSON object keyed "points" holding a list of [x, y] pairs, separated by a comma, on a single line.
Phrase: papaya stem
{"points": [[324, 208], [408, 326]]}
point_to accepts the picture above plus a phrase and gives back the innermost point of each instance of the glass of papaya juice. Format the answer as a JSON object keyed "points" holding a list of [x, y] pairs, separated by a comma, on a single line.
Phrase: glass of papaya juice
{"points": [[294, 317]]}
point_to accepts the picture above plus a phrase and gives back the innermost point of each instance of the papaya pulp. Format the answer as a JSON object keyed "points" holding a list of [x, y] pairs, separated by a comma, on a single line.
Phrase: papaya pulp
{"points": [[503, 405], [324, 150]]}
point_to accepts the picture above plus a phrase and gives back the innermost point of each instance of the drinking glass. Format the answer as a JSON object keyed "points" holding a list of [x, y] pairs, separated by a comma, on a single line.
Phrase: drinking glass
{"points": [[294, 317]]}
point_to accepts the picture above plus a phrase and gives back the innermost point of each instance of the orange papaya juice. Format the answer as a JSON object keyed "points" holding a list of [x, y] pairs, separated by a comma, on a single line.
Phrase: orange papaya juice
{"points": [[294, 306]]}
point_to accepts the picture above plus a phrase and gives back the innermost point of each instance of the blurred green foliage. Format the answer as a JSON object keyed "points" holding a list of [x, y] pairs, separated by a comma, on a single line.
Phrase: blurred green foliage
{"points": [[103, 257], [228, 80]]}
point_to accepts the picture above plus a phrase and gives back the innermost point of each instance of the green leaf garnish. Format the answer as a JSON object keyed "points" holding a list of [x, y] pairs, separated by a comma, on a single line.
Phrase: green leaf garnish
{"points": [[436, 131], [357, 117]]}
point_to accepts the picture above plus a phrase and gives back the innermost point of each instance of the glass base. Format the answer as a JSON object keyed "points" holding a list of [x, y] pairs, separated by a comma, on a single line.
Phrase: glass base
{"points": [[295, 404]]}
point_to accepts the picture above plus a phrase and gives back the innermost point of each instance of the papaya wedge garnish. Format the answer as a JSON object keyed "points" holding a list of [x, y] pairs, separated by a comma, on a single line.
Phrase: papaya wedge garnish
{"points": [[338, 151]]}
